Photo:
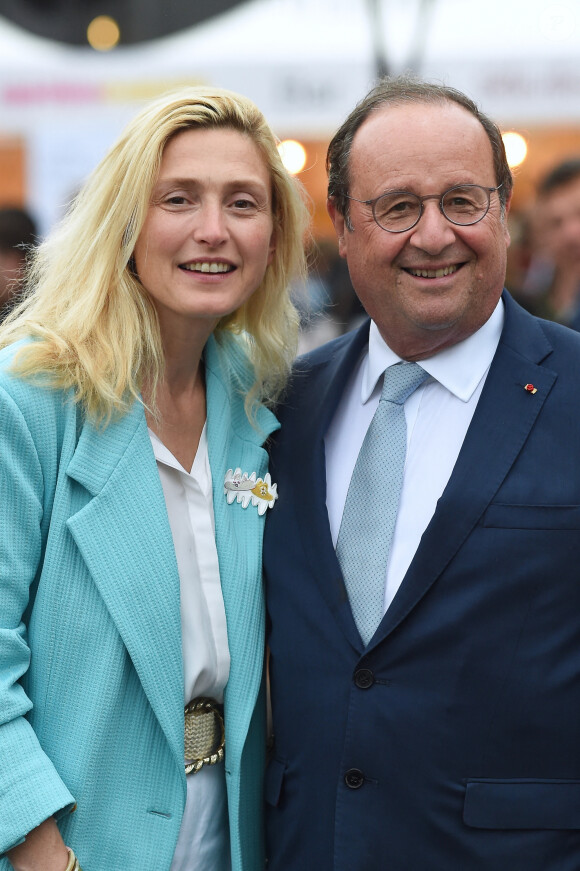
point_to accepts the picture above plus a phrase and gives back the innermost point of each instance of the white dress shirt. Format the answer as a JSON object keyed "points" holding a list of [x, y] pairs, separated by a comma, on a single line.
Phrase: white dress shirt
{"points": [[203, 843], [438, 415]]}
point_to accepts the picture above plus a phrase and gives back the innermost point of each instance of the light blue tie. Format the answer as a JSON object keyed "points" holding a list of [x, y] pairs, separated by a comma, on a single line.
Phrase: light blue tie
{"points": [[372, 502]]}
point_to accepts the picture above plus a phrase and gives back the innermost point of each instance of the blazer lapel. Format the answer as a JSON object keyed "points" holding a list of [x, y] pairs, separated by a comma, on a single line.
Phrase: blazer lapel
{"points": [[504, 416], [124, 537], [234, 443]]}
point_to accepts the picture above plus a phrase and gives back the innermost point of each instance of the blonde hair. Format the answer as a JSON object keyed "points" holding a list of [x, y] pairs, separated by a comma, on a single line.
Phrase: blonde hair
{"points": [[94, 326]]}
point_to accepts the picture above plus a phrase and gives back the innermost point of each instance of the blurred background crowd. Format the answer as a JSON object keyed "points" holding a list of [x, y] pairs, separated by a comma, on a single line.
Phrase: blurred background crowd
{"points": [[73, 71]]}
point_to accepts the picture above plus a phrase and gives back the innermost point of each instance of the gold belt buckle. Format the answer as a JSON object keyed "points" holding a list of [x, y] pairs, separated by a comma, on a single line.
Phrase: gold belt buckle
{"points": [[205, 735]]}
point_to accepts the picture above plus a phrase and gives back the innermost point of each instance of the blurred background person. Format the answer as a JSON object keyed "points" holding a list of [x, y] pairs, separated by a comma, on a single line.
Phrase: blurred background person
{"points": [[135, 377], [18, 235], [553, 280], [327, 302]]}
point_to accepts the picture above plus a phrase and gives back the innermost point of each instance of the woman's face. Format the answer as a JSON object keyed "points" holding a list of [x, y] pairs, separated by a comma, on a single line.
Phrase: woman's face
{"points": [[208, 235]]}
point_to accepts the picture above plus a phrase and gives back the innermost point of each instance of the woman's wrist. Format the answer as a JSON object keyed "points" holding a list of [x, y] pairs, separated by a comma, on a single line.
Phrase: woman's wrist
{"points": [[42, 850]]}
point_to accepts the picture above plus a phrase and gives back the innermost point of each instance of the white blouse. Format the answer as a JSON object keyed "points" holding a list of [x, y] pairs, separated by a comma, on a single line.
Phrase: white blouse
{"points": [[203, 843]]}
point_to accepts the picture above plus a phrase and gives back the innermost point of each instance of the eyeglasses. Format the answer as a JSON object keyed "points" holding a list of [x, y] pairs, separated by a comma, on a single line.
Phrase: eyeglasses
{"points": [[397, 211]]}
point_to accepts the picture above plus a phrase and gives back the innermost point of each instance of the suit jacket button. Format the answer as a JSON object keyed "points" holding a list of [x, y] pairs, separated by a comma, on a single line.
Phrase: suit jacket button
{"points": [[354, 778], [364, 678]]}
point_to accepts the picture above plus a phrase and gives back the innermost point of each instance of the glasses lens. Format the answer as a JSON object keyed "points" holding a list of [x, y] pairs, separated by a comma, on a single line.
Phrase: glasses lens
{"points": [[397, 211], [465, 204]]}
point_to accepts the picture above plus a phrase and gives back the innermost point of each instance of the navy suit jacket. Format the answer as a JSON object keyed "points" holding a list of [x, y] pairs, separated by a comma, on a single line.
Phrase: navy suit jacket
{"points": [[452, 742]]}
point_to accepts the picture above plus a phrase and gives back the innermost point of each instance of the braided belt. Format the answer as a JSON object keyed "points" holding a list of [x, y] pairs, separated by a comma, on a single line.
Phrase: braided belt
{"points": [[205, 736]]}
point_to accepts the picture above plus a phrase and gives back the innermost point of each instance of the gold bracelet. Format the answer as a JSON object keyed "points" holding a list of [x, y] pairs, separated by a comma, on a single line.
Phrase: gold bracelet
{"points": [[73, 862]]}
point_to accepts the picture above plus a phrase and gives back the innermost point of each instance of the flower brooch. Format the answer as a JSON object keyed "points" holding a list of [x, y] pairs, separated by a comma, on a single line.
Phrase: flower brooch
{"points": [[245, 488]]}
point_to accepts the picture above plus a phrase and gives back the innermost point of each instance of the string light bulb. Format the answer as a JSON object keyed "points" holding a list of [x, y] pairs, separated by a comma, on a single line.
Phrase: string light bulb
{"points": [[293, 155], [516, 148], [103, 33]]}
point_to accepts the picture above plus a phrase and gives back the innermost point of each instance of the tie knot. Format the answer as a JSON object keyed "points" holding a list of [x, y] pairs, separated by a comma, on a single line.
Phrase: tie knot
{"points": [[401, 380]]}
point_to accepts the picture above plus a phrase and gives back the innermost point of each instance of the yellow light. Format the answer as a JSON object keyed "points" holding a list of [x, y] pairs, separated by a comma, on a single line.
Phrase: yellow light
{"points": [[103, 33], [516, 148], [293, 155]]}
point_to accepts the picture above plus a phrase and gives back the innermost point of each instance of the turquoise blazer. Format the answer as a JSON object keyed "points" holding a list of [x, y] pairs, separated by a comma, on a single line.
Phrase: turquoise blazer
{"points": [[91, 672]]}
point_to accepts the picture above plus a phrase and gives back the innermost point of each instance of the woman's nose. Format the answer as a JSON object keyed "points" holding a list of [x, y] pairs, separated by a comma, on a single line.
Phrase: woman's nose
{"points": [[210, 225]]}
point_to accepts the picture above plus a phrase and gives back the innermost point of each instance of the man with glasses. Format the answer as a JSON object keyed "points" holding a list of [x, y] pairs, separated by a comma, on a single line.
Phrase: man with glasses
{"points": [[421, 561]]}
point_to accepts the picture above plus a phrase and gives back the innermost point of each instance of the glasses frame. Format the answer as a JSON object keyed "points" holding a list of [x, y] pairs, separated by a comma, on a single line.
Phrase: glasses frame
{"points": [[372, 203]]}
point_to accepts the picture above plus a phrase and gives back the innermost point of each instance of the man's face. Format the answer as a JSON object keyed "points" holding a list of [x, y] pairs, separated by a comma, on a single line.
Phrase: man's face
{"points": [[559, 226], [431, 286]]}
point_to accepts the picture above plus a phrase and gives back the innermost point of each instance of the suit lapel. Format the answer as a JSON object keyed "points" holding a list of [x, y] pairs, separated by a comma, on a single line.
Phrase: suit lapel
{"points": [[503, 419], [326, 386], [124, 537]]}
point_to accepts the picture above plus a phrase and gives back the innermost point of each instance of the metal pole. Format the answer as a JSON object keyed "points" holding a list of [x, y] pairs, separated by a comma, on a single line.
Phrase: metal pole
{"points": [[379, 54], [417, 50]]}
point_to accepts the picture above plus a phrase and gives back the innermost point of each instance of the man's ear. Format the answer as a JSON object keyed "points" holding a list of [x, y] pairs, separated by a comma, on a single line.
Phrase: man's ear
{"points": [[339, 224]]}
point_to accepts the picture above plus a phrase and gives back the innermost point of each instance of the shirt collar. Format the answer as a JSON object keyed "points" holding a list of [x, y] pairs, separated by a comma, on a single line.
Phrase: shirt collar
{"points": [[458, 368], [163, 455]]}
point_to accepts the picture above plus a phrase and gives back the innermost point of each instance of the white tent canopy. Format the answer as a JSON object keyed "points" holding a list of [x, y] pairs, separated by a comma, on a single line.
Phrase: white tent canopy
{"points": [[304, 62], [519, 57]]}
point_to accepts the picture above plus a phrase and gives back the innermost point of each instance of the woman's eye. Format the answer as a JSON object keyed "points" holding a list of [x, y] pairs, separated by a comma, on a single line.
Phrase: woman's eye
{"points": [[176, 200], [244, 205]]}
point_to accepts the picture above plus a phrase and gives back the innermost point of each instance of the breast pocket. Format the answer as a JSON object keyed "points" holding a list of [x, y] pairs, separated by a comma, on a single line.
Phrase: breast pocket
{"points": [[522, 804], [504, 516]]}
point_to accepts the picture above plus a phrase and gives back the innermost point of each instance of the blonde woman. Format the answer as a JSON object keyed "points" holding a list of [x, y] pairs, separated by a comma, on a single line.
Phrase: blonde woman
{"points": [[134, 383]]}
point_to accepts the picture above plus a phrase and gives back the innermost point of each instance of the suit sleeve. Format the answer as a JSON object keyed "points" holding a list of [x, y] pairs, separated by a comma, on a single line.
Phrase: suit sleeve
{"points": [[30, 788]]}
